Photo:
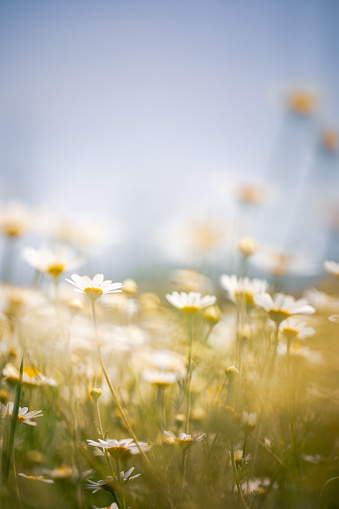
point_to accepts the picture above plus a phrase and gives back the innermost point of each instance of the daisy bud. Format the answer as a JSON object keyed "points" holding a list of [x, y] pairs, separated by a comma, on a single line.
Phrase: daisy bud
{"points": [[212, 313], [232, 372], [96, 393], [247, 246], [130, 288]]}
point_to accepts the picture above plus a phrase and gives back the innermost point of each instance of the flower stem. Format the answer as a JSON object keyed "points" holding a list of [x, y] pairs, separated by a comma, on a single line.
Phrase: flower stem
{"points": [[237, 481], [189, 373]]}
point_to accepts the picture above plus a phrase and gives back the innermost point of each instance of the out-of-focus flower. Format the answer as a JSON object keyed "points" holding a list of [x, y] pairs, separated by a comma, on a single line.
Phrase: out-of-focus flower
{"points": [[52, 263], [293, 329], [188, 241], [330, 140], [94, 288], [242, 288], [334, 318], [332, 267], [96, 393], [302, 102], [300, 352], [112, 506], [83, 234], [190, 302], [23, 415], [212, 314], [248, 421], [30, 376], [14, 220], [322, 302], [130, 287], [231, 373], [238, 453], [253, 194], [37, 478], [15, 301], [183, 440], [161, 378], [188, 280], [282, 263], [282, 306], [110, 482], [247, 246], [63, 473]]}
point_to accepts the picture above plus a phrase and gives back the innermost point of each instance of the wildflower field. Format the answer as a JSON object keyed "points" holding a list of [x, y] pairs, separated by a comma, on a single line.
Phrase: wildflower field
{"points": [[206, 393]]}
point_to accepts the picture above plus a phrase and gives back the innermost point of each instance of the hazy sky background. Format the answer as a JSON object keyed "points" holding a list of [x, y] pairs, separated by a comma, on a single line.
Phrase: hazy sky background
{"points": [[128, 107]]}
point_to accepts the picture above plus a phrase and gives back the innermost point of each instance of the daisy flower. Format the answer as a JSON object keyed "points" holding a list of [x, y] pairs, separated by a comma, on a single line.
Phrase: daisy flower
{"points": [[296, 330], [52, 263], [118, 448], [37, 478], [332, 267], [160, 377], [183, 440], [282, 306], [242, 288], [94, 288], [248, 421], [190, 302], [102, 484], [23, 415]]}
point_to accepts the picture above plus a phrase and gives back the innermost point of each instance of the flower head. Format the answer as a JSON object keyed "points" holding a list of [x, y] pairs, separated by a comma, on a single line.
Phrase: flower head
{"points": [[183, 440], [248, 421], [23, 416], [293, 329], [332, 267], [190, 302], [282, 306], [242, 288], [94, 288], [37, 478], [118, 448], [52, 263], [109, 481]]}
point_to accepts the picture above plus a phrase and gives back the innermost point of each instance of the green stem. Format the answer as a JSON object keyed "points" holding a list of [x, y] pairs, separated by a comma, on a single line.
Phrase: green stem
{"points": [[189, 373], [183, 472], [291, 408], [237, 481]]}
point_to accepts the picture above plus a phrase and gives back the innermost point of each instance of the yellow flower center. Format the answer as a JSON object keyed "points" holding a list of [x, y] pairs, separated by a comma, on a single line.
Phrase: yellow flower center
{"points": [[118, 451], [191, 309], [56, 269], [21, 418], [93, 293]]}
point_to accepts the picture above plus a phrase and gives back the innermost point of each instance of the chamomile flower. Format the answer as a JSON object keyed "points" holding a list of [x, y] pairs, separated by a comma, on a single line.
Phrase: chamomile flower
{"points": [[30, 376], [103, 484], [118, 448], [183, 440], [242, 288], [293, 329], [332, 267], [49, 262], [282, 306], [248, 421], [161, 378], [37, 478], [14, 220], [190, 302], [94, 288], [23, 416]]}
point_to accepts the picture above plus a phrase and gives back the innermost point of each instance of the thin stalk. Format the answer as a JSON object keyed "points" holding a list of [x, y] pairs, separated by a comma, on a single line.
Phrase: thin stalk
{"points": [[123, 415], [183, 472], [237, 481], [189, 373], [291, 407]]}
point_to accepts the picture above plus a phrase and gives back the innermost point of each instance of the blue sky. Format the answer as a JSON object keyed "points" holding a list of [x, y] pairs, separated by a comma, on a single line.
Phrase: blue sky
{"points": [[135, 104]]}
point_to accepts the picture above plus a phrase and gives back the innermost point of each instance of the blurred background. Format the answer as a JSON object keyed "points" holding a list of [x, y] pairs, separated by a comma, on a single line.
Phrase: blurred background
{"points": [[164, 132]]}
